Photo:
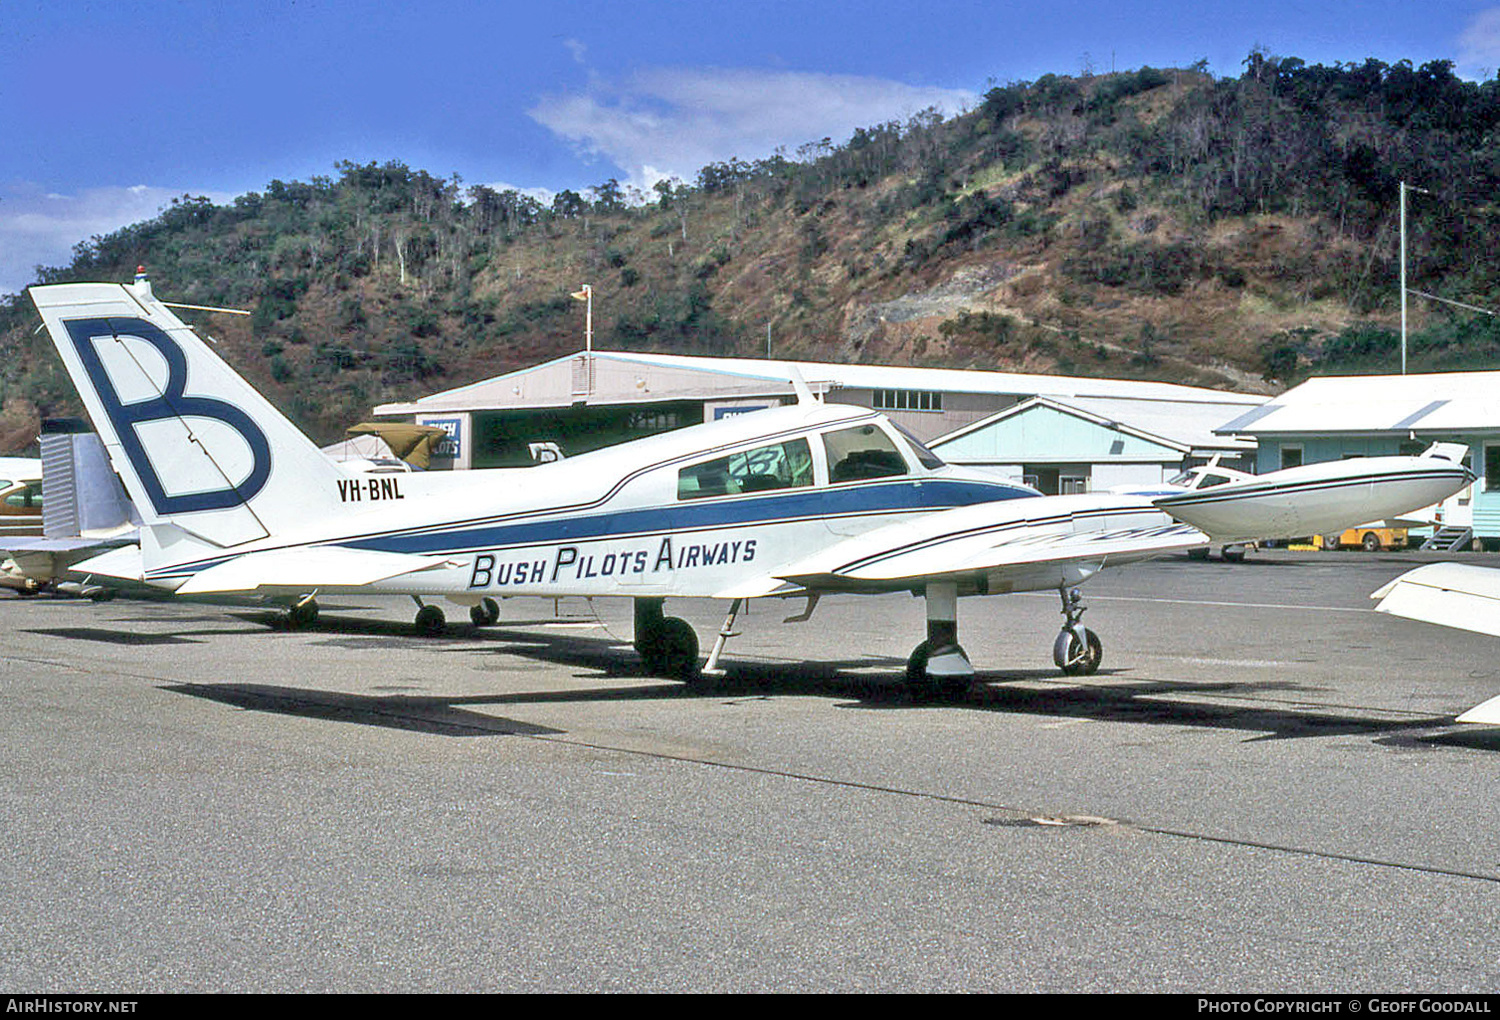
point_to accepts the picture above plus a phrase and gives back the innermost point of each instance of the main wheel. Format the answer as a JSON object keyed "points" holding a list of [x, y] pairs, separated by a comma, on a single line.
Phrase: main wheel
{"points": [[670, 649], [1075, 657], [303, 614], [922, 683], [430, 621], [485, 614]]}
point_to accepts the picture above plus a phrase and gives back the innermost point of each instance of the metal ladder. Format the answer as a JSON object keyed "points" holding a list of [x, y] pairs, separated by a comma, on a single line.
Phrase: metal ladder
{"points": [[1447, 539]]}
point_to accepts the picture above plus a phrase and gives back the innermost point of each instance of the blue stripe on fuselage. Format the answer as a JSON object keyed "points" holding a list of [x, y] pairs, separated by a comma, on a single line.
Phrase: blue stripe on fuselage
{"points": [[906, 495]]}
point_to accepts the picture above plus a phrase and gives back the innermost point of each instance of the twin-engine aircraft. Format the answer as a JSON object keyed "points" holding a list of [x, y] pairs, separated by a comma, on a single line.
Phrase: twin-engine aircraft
{"points": [[803, 500]]}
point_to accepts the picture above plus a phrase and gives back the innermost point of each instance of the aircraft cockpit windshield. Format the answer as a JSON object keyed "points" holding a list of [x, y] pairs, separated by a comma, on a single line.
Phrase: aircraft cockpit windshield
{"points": [[785, 465], [1199, 478], [861, 452], [925, 457]]}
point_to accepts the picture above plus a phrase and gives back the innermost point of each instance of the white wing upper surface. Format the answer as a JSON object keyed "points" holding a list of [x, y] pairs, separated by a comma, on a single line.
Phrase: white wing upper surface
{"points": [[989, 540]]}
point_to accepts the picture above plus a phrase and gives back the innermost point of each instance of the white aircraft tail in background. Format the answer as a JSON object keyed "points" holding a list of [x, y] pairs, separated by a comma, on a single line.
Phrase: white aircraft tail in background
{"points": [[801, 500]]}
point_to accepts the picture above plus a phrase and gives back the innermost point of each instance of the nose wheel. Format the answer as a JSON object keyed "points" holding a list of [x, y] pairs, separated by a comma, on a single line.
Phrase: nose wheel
{"points": [[1077, 650]]}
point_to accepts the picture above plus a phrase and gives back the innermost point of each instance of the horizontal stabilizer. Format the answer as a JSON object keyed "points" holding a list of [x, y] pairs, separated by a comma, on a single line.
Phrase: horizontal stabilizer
{"points": [[304, 569], [123, 563], [58, 545]]}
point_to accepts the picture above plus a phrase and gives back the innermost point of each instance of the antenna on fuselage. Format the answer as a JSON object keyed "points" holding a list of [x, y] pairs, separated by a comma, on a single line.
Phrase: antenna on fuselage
{"points": [[804, 392]]}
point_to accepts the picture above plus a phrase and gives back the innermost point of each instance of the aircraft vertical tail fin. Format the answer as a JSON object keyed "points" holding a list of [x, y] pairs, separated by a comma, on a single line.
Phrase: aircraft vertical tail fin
{"points": [[209, 463]]}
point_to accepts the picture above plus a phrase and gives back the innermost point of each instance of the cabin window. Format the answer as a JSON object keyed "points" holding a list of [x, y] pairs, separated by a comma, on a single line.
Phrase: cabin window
{"points": [[862, 452], [779, 466]]}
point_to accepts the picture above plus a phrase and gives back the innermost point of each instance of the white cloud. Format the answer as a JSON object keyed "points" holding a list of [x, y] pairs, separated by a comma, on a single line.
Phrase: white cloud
{"points": [[671, 122], [542, 195], [1479, 43], [40, 228]]}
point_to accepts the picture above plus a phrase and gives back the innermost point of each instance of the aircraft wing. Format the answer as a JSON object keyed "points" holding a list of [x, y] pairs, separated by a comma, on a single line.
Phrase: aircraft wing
{"points": [[1451, 594], [1454, 595], [1011, 553], [306, 569]]}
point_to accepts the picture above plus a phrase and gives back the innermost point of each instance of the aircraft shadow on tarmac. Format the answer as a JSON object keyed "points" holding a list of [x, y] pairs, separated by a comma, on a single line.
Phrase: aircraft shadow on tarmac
{"points": [[874, 682]]}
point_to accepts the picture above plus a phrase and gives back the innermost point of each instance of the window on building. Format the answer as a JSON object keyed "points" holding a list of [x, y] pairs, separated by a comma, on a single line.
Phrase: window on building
{"points": [[779, 466], [1492, 467], [908, 400], [861, 452], [1291, 456]]}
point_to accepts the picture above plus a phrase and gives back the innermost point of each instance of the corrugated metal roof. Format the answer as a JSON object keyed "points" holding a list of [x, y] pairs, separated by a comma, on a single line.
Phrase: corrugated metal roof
{"points": [[503, 390], [1188, 424], [1437, 402]]}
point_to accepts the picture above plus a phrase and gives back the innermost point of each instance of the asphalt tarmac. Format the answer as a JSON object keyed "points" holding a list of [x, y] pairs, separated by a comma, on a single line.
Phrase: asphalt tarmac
{"points": [[1262, 790]]}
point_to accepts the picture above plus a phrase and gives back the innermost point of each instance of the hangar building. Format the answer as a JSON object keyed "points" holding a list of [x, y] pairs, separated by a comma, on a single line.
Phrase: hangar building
{"points": [[1337, 417], [590, 400]]}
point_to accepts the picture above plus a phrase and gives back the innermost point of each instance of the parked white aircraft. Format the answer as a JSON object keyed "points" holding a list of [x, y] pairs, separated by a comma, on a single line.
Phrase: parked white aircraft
{"points": [[802, 500], [1458, 595]]}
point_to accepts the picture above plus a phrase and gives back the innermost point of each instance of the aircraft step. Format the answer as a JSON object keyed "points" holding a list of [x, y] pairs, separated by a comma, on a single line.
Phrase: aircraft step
{"points": [[1449, 539]]}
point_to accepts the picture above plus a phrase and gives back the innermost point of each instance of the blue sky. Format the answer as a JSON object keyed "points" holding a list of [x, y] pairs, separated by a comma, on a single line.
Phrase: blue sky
{"points": [[109, 109]]}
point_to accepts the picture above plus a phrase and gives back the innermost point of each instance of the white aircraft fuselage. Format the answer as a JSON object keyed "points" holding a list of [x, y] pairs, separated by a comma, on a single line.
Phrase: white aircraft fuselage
{"points": [[804, 499]]}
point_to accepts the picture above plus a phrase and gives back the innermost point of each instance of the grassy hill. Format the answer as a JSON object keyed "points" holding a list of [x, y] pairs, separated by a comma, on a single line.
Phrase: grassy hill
{"points": [[1161, 224]]}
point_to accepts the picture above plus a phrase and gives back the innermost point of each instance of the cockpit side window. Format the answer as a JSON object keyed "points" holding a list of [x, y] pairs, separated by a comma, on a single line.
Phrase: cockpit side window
{"points": [[864, 451], [785, 465]]}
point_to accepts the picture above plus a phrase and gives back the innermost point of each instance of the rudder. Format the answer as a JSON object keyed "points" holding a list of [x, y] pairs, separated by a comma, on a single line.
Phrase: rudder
{"points": [[208, 461]]}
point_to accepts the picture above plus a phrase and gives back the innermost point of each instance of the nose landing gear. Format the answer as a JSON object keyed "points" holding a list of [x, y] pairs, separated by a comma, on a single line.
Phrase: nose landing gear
{"points": [[1077, 650]]}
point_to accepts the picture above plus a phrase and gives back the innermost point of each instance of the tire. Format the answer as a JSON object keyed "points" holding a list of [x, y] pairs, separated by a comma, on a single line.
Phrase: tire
{"points": [[304, 614], [430, 621], [1075, 657], [1232, 554], [671, 650], [923, 684], [485, 614], [1371, 542]]}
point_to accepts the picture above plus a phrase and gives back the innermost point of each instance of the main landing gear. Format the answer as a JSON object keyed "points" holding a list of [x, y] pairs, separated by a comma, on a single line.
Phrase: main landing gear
{"points": [[485, 613], [939, 666], [667, 645], [1077, 650]]}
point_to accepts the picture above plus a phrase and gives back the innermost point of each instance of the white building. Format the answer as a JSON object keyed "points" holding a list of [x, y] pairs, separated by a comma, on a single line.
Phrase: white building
{"points": [[585, 401], [1337, 417]]}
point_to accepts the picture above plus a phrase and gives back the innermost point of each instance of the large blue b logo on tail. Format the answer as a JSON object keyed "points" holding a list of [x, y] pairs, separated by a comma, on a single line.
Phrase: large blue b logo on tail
{"points": [[169, 404]]}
